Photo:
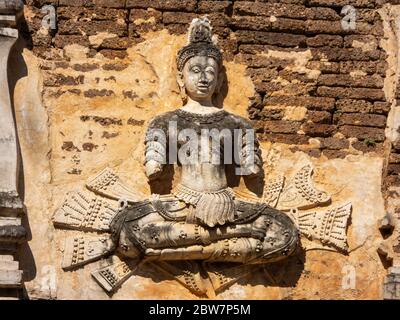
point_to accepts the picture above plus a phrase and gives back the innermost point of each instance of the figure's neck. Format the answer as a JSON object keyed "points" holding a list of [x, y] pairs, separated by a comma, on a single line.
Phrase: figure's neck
{"points": [[200, 106]]}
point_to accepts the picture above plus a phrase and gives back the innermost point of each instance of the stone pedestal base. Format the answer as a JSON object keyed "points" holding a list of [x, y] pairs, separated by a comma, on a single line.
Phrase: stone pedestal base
{"points": [[12, 233], [10, 275]]}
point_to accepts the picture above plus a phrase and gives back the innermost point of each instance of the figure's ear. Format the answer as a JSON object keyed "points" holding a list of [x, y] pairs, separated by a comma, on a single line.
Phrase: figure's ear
{"points": [[179, 79], [221, 88], [181, 84], [221, 81]]}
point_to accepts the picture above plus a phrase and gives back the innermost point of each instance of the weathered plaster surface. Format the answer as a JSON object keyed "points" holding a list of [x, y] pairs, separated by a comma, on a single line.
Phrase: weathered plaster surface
{"points": [[68, 135]]}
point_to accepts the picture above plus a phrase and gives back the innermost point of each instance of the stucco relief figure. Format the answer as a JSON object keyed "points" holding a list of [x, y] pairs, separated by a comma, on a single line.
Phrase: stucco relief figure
{"points": [[202, 225], [194, 222]]}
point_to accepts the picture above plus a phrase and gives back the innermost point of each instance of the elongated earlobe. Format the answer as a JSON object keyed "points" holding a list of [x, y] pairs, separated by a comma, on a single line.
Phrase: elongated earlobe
{"points": [[179, 79], [220, 83], [216, 96], [181, 84]]}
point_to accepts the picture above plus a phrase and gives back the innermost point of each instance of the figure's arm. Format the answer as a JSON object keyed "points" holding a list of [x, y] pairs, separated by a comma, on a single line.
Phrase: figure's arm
{"points": [[250, 153], [155, 151]]}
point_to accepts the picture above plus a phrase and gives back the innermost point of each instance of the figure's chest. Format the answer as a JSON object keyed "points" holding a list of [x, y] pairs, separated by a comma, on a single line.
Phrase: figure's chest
{"points": [[203, 136]]}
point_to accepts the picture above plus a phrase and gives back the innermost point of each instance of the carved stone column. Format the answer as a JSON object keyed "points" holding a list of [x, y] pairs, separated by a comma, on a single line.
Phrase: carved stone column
{"points": [[12, 232]]}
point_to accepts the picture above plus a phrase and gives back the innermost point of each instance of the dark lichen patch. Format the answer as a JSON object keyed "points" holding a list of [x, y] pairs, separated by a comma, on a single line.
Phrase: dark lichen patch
{"points": [[58, 80], [75, 91], [112, 78], [130, 95], [85, 118], [92, 93], [104, 121], [88, 146], [75, 171], [69, 146], [115, 66], [85, 67], [75, 159], [58, 93], [134, 122], [108, 135]]}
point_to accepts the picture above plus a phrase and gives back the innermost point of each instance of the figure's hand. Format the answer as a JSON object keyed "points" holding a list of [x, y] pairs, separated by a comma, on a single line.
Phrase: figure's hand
{"points": [[247, 230], [254, 170], [153, 169], [252, 165]]}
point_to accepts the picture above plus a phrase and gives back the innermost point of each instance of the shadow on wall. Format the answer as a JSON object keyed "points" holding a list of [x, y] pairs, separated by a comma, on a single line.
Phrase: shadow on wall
{"points": [[283, 274], [17, 69]]}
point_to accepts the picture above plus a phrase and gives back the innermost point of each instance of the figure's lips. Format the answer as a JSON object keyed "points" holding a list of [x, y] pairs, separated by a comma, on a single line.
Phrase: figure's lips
{"points": [[202, 87]]}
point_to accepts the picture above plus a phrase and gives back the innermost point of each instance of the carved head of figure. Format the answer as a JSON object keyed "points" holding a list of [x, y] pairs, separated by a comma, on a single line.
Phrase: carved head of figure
{"points": [[199, 63]]}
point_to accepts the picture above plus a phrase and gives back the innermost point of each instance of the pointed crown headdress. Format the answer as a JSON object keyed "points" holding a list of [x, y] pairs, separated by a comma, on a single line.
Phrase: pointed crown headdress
{"points": [[200, 42]]}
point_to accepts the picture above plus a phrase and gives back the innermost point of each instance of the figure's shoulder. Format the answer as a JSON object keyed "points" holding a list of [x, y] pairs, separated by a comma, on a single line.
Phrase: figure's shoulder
{"points": [[239, 121], [223, 118], [162, 120]]}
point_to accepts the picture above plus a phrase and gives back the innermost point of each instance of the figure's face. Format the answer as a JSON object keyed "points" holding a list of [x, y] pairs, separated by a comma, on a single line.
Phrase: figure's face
{"points": [[200, 77]]}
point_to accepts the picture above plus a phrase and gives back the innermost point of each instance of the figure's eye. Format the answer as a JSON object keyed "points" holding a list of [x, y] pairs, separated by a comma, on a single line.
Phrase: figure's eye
{"points": [[210, 71], [196, 69]]}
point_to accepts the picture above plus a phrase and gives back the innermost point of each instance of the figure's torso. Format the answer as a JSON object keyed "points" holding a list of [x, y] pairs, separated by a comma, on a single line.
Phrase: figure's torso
{"points": [[202, 144]]}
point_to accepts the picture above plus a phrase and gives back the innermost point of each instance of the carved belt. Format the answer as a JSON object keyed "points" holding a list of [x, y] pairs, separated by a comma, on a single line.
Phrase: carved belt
{"points": [[211, 208]]}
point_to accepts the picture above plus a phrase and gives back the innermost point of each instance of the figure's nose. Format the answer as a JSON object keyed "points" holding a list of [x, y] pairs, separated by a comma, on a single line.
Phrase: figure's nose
{"points": [[203, 78]]}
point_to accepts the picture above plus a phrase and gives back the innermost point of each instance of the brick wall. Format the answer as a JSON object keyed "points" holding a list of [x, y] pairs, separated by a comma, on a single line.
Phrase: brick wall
{"points": [[392, 175], [297, 52]]}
